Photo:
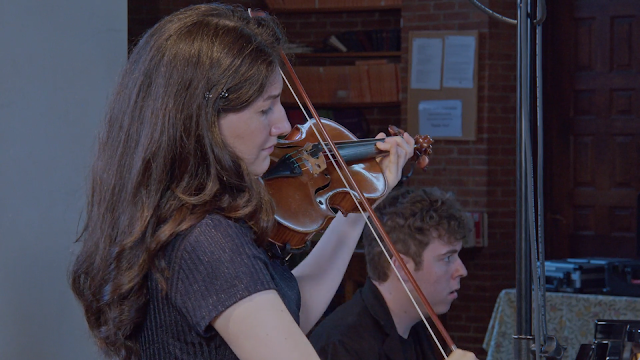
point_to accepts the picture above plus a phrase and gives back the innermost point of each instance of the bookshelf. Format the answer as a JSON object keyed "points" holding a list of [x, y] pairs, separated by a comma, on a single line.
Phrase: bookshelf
{"points": [[366, 83], [336, 8], [283, 6], [354, 55], [364, 76], [358, 89]]}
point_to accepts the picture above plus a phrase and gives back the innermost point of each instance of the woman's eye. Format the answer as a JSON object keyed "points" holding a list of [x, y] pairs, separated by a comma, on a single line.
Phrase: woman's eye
{"points": [[266, 111]]}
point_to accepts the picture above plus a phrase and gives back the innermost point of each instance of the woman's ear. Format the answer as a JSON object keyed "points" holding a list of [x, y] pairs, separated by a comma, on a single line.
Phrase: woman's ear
{"points": [[410, 265]]}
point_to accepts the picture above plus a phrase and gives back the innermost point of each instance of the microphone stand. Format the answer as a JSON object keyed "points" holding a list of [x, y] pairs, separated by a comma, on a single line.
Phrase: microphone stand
{"points": [[531, 340]]}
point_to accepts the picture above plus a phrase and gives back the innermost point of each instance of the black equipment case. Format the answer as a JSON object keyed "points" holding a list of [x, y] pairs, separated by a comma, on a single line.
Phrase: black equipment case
{"points": [[609, 276], [622, 276], [568, 275]]}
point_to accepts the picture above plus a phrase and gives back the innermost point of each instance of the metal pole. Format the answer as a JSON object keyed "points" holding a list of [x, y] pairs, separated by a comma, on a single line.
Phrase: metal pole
{"points": [[540, 165], [531, 339], [523, 336]]}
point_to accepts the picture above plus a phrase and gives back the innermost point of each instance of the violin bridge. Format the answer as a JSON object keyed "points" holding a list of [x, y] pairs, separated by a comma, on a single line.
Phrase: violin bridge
{"points": [[311, 154]]}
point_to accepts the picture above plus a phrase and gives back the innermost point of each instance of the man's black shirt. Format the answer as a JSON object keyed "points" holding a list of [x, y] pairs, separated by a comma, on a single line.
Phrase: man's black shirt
{"points": [[362, 328]]}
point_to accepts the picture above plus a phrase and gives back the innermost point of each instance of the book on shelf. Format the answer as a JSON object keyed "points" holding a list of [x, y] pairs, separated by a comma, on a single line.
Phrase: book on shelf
{"points": [[351, 41], [292, 48], [358, 85], [372, 81], [371, 62], [395, 36], [365, 40], [335, 43]]}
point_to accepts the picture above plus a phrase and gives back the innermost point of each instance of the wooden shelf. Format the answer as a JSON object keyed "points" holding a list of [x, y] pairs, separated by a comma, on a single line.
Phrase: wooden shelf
{"points": [[335, 105], [367, 83], [352, 54], [284, 9]]}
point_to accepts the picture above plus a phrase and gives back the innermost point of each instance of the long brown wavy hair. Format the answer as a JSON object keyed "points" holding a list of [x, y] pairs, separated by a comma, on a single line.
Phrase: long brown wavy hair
{"points": [[161, 164]]}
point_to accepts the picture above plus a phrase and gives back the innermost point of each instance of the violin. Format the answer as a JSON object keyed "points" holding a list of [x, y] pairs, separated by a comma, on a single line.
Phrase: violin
{"points": [[306, 186], [344, 171]]}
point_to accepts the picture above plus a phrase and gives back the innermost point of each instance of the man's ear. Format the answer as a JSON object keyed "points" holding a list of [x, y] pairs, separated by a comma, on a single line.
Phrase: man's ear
{"points": [[410, 265]]}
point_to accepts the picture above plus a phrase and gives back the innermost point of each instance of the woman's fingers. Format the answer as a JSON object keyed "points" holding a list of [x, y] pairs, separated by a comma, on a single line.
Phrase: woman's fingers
{"points": [[459, 354], [400, 150]]}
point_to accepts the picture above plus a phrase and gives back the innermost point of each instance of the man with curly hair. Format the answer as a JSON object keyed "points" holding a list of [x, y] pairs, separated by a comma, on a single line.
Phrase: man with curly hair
{"points": [[427, 227]]}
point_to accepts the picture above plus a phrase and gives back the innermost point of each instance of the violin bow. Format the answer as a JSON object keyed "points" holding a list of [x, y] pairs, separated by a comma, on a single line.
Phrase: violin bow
{"points": [[351, 184]]}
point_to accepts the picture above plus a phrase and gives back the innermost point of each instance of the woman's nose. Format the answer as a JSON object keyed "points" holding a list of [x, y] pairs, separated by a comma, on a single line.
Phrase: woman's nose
{"points": [[281, 125]]}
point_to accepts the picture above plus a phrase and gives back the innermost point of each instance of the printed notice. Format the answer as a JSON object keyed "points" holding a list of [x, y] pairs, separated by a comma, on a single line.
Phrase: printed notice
{"points": [[459, 59], [426, 63], [440, 117]]}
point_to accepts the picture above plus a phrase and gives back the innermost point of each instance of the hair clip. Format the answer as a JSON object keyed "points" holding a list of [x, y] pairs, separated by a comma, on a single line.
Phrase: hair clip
{"points": [[223, 95]]}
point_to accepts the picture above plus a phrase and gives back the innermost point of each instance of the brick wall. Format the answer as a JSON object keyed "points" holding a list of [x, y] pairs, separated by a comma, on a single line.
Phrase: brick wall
{"points": [[481, 173], [143, 14]]}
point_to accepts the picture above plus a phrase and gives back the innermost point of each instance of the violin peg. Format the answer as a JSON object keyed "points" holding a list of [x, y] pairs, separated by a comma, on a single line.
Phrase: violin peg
{"points": [[395, 131], [422, 148], [422, 162]]}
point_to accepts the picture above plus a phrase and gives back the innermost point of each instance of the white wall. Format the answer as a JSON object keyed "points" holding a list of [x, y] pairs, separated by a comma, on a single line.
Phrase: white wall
{"points": [[58, 64]]}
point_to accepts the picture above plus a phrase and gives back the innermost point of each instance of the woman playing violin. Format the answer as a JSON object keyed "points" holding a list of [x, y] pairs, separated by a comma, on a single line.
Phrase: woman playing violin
{"points": [[175, 260]]}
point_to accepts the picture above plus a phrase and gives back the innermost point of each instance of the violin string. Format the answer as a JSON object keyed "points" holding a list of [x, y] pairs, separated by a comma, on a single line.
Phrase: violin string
{"points": [[345, 145], [395, 269], [298, 156], [364, 215], [331, 157], [326, 150], [448, 340], [295, 159]]}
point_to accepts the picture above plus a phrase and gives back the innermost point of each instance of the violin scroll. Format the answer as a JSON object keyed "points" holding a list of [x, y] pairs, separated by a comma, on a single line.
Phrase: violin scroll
{"points": [[422, 149]]}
